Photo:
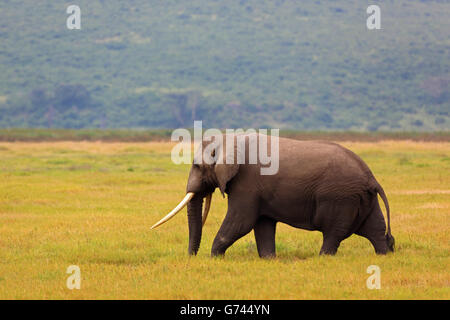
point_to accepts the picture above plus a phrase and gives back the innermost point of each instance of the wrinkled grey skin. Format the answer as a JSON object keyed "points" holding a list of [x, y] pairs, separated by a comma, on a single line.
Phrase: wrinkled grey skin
{"points": [[319, 186]]}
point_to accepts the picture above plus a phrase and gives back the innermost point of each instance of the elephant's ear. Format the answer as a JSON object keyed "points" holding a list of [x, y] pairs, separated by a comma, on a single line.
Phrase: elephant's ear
{"points": [[226, 167]]}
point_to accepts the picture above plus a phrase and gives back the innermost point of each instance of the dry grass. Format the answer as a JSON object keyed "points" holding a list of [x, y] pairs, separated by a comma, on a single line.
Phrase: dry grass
{"points": [[91, 204]]}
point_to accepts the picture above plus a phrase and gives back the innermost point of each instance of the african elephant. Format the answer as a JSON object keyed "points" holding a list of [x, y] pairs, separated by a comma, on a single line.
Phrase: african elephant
{"points": [[319, 186]]}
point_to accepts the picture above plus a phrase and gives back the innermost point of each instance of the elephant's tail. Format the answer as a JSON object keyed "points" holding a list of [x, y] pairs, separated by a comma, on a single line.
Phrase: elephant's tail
{"points": [[389, 238], [386, 204]]}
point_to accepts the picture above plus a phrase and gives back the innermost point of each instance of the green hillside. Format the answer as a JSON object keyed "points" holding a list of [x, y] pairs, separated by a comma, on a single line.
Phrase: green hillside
{"points": [[309, 65]]}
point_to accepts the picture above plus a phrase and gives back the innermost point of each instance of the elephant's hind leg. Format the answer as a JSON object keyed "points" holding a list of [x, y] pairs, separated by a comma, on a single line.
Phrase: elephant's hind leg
{"points": [[265, 236], [330, 244], [374, 228], [336, 220]]}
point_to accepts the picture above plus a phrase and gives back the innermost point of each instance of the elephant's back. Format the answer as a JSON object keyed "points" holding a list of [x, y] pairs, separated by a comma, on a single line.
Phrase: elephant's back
{"points": [[324, 166], [322, 155]]}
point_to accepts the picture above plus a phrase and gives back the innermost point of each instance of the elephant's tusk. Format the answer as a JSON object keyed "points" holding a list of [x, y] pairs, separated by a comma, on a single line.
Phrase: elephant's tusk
{"points": [[177, 209], [207, 206]]}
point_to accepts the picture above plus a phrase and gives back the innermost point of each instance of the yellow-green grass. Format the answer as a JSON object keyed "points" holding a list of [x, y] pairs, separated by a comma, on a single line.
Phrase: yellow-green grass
{"points": [[91, 204]]}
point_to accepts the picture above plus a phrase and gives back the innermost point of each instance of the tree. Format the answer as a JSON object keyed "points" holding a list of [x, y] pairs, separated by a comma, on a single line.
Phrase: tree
{"points": [[67, 96]]}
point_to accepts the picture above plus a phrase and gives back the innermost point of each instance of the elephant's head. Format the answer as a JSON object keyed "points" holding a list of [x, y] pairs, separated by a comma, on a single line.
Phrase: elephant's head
{"points": [[206, 174]]}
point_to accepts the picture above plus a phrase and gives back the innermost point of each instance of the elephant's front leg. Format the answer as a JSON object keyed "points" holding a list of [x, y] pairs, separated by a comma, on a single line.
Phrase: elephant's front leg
{"points": [[265, 236], [240, 220]]}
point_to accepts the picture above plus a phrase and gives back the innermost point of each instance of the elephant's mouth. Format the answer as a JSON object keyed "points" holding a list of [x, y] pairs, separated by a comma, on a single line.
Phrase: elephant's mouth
{"points": [[182, 204]]}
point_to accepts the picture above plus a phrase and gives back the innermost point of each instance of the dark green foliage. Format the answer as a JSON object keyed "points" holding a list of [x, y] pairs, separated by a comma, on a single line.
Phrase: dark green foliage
{"points": [[309, 65], [134, 135]]}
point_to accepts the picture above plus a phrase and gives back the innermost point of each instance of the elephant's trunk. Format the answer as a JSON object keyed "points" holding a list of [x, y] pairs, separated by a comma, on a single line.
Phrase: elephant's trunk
{"points": [[194, 212], [195, 218]]}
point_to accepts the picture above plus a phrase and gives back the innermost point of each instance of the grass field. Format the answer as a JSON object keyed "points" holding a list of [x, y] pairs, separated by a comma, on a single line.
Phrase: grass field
{"points": [[91, 204]]}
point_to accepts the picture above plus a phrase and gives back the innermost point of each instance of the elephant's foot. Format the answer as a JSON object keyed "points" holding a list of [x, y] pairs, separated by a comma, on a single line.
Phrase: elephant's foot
{"points": [[330, 245], [220, 245], [217, 255], [382, 244], [267, 255]]}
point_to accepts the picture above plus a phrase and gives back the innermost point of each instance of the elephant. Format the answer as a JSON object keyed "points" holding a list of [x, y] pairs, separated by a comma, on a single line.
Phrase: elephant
{"points": [[319, 186]]}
